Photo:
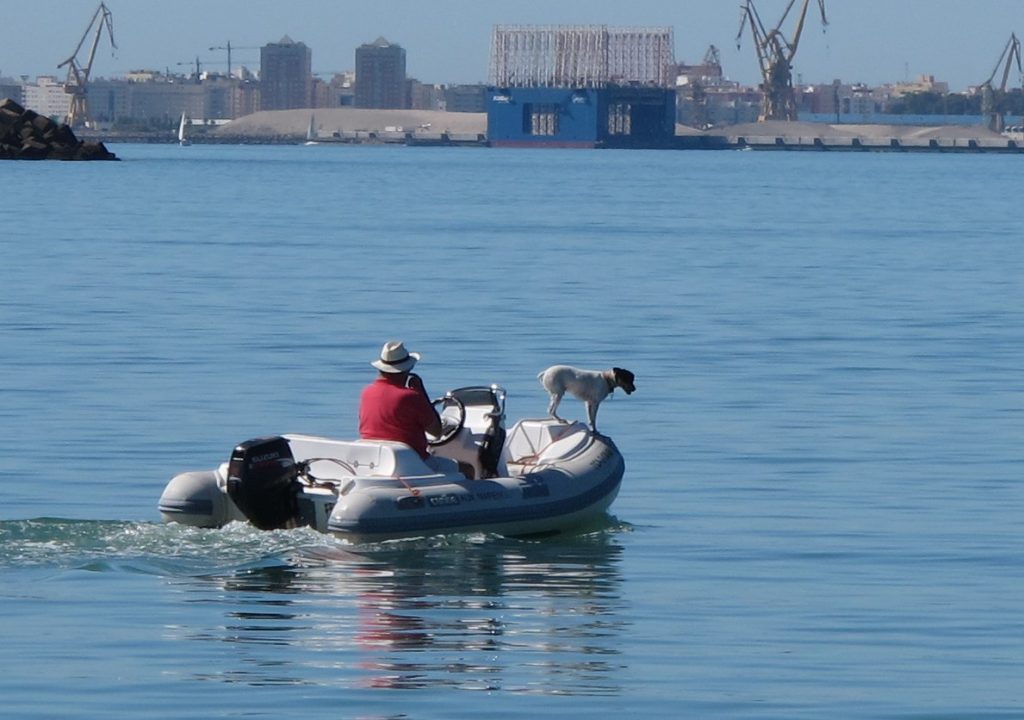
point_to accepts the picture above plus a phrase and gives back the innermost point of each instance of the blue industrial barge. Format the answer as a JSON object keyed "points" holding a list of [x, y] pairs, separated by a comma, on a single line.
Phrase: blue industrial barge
{"points": [[608, 117], [581, 86]]}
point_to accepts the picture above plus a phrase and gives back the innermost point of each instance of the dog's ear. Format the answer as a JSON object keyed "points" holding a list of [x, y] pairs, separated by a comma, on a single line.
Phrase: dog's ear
{"points": [[624, 374], [624, 379]]}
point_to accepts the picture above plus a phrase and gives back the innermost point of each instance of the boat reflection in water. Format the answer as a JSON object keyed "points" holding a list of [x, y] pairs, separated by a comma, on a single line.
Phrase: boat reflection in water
{"points": [[469, 613]]}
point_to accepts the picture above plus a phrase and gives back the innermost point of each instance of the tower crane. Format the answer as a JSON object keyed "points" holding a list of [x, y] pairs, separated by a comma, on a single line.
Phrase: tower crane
{"points": [[229, 48], [78, 76], [775, 55], [1010, 54], [197, 65]]}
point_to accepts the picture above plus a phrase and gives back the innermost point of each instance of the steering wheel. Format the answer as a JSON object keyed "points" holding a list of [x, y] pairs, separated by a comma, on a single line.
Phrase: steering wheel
{"points": [[453, 416]]}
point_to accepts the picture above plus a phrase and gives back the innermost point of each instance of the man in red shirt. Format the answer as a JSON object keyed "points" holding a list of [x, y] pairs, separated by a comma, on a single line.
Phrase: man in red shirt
{"points": [[395, 406]]}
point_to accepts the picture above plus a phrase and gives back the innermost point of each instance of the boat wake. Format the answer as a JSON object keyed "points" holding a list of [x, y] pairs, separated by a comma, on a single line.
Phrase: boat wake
{"points": [[173, 550], [142, 547]]}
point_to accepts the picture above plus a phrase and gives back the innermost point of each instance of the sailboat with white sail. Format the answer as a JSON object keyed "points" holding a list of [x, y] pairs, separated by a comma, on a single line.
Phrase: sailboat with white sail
{"points": [[311, 134], [182, 140]]}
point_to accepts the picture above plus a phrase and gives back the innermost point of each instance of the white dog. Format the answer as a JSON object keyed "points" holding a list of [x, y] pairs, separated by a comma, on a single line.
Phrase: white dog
{"points": [[590, 386]]}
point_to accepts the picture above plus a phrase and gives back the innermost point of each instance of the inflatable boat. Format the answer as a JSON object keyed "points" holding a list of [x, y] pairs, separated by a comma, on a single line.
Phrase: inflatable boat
{"points": [[538, 477]]}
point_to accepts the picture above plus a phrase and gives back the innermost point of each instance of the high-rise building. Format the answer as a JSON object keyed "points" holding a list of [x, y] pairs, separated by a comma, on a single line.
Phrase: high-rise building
{"points": [[380, 76], [286, 75]]}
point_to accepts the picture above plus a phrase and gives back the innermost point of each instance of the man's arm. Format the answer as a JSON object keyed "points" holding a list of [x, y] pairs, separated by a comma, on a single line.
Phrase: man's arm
{"points": [[433, 426]]}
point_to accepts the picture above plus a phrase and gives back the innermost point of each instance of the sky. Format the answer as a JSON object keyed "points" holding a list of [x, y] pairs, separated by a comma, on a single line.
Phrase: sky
{"points": [[448, 41]]}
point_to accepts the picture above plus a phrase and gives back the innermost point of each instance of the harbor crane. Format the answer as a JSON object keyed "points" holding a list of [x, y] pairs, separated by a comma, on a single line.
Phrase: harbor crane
{"points": [[989, 99], [712, 58], [78, 75], [775, 55]]}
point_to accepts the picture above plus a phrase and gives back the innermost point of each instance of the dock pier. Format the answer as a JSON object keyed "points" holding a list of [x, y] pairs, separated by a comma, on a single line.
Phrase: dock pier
{"points": [[817, 137]]}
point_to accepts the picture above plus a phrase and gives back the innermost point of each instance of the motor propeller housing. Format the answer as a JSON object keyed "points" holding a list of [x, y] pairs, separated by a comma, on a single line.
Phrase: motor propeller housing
{"points": [[262, 482]]}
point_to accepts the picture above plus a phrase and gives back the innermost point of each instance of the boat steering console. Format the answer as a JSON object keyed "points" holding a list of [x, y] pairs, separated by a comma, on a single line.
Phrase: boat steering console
{"points": [[452, 412], [475, 415]]}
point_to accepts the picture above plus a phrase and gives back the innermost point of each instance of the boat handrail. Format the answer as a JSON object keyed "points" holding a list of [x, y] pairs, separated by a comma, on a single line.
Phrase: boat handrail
{"points": [[314, 480]]}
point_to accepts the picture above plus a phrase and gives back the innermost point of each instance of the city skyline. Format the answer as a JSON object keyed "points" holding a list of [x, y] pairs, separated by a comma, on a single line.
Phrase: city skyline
{"points": [[870, 41]]}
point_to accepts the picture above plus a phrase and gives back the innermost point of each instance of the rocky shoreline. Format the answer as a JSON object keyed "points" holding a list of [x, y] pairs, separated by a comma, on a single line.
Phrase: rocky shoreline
{"points": [[27, 135]]}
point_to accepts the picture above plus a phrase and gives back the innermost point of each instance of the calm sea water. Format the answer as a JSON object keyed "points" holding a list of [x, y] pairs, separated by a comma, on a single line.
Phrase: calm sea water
{"points": [[822, 514]]}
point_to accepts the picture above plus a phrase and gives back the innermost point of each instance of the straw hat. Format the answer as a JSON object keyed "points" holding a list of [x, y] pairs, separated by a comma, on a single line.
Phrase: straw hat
{"points": [[394, 358]]}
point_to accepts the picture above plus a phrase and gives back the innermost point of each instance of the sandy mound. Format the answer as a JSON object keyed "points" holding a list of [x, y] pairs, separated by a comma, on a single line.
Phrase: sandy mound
{"points": [[346, 121]]}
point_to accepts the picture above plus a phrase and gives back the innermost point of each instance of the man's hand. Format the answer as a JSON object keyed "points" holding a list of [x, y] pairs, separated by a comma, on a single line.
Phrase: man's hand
{"points": [[416, 383]]}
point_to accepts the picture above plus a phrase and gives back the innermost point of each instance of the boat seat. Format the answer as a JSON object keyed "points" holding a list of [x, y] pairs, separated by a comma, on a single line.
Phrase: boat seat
{"points": [[374, 458], [528, 439]]}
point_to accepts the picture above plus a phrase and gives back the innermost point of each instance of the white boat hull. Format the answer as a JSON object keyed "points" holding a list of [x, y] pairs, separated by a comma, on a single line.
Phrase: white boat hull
{"points": [[538, 499], [550, 477]]}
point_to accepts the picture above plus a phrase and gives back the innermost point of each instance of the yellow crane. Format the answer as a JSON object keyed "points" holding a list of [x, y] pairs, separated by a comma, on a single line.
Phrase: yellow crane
{"points": [[775, 55], [989, 101], [78, 75]]}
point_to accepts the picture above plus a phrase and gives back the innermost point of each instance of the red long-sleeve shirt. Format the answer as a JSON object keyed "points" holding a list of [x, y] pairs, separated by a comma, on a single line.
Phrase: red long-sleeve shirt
{"points": [[392, 412]]}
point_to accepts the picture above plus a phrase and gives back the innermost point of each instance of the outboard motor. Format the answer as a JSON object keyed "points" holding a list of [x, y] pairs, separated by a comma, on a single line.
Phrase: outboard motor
{"points": [[262, 482]]}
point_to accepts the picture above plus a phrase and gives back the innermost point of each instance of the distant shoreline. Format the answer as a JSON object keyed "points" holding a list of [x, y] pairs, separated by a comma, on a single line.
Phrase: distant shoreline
{"points": [[436, 128]]}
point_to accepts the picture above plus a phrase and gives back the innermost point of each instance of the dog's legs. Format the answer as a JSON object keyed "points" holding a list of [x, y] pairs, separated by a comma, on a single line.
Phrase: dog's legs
{"points": [[553, 406], [592, 414]]}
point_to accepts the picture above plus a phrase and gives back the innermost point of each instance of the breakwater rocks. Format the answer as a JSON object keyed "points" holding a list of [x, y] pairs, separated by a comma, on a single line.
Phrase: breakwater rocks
{"points": [[27, 135]]}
